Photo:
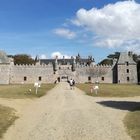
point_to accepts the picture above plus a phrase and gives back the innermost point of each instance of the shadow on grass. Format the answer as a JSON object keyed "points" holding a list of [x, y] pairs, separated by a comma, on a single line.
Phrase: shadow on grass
{"points": [[122, 105]]}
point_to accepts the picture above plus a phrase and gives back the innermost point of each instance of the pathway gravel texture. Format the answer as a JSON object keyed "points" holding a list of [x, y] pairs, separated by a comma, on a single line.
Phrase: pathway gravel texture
{"points": [[65, 114]]}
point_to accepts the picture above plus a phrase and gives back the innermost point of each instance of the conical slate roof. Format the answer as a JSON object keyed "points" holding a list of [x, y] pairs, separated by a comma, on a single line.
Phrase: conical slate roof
{"points": [[4, 58], [126, 57]]}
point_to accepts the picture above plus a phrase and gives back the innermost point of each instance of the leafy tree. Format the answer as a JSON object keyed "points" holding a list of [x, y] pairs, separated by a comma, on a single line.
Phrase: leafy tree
{"points": [[137, 60], [114, 56], [109, 59], [23, 59], [106, 62]]}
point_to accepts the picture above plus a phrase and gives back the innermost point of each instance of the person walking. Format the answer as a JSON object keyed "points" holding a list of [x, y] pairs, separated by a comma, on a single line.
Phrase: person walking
{"points": [[71, 83]]}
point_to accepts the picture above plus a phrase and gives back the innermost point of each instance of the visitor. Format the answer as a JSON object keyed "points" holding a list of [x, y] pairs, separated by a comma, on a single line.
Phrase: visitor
{"points": [[56, 81], [71, 83]]}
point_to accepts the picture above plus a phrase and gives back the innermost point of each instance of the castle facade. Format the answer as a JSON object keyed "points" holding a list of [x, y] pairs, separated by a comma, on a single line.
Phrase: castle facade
{"points": [[123, 70]]}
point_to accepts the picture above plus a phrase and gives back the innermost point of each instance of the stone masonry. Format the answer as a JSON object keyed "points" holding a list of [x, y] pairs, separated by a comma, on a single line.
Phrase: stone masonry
{"points": [[122, 71]]}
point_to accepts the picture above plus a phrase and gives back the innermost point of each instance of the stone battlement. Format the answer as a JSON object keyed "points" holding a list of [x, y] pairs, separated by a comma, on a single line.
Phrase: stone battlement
{"points": [[33, 65], [47, 71]]}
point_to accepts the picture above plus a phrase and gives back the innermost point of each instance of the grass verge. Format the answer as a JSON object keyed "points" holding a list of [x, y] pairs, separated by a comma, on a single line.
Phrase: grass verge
{"points": [[112, 90], [132, 123], [7, 118], [23, 91]]}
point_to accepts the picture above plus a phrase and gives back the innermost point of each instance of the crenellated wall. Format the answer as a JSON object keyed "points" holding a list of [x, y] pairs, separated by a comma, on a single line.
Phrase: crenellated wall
{"points": [[17, 74], [122, 71], [100, 73], [4, 73], [31, 74]]}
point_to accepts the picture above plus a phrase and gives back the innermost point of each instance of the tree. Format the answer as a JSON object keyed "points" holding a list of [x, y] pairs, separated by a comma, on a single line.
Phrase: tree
{"points": [[137, 60], [23, 59], [114, 56], [106, 62], [109, 59]]}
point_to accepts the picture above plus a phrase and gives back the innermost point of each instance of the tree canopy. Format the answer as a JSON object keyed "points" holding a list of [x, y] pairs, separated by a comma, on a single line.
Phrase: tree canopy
{"points": [[114, 56], [23, 59], [106, 62]]}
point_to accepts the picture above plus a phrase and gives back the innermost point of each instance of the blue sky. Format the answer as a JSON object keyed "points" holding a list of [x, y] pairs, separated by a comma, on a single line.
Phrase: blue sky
{"points": [[69, 27]]}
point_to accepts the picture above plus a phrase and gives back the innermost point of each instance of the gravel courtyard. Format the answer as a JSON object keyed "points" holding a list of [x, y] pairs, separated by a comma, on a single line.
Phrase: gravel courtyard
{"points": [[65, 114]]}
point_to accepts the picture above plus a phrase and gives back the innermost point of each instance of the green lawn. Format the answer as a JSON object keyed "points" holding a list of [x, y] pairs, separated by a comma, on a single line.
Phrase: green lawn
{"points": [[7, 118], [7, 115], [112, 90], [23, 91], [132, 123]]}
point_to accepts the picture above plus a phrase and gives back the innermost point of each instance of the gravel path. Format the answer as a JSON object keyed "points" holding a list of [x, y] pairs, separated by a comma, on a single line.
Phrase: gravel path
{"points": [[65, 114]]}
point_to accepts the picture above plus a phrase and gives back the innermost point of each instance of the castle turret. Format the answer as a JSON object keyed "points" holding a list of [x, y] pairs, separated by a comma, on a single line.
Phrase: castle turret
{"points": [[73, 64], [126, 68], [55, 66]]}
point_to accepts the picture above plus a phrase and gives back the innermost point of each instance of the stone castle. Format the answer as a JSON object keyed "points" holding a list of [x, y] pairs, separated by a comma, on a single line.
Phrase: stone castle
{"points": [[123, 70]]}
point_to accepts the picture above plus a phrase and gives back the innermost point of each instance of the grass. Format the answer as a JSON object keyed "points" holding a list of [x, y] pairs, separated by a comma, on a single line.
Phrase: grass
{"points": [[7, 115], [23, 91], [7, 118], [132, 123], [112, 90]]}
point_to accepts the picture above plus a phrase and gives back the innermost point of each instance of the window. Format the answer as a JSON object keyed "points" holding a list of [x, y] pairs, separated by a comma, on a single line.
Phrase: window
{"points": [[39, 78], [103, 78], [127, 70], [58, 79], [128, 79], [25, 78], [89, 78], [127, 63]]}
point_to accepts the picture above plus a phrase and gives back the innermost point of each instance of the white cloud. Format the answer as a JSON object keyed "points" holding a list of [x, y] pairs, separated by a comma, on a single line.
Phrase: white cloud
{"points": [[59, 55], [43, 56], [114, 24], [66, 33], [108, 42], [133, 45]]}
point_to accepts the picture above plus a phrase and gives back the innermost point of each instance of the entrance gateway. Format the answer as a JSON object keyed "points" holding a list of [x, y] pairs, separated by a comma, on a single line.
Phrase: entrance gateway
{"points": [[63, 78]]}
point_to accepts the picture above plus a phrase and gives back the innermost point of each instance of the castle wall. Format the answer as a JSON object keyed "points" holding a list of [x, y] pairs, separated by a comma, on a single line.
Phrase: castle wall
{"points": [[4, 73], [102, 74], [31, 74], [127, 74]]}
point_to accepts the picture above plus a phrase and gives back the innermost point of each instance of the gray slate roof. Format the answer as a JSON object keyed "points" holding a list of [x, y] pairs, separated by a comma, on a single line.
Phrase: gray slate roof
{"points": [[125, 57], [62, 61], [3, 58]]}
